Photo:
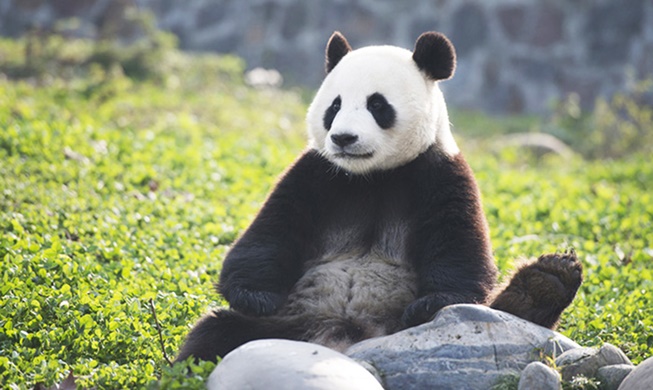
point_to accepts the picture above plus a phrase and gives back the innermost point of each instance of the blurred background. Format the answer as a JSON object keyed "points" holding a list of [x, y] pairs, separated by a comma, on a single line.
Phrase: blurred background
{"points": [[514, 56], [554, 59]]}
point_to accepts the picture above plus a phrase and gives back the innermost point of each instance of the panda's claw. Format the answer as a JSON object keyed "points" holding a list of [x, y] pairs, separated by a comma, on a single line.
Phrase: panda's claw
{"points": [[419, 312]]}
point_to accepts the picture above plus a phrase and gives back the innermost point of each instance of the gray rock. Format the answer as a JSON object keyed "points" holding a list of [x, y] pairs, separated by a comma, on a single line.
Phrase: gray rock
{"points": [[539, 376], [587, 361], [612, 376], [464, 344], [641, 378], [292, 365]]}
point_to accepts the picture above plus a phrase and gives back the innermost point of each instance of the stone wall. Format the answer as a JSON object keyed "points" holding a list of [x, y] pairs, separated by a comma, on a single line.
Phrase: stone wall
{"points": [[515, 56]]}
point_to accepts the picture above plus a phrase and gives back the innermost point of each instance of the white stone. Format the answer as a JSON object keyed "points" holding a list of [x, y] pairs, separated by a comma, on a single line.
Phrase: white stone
{"points": [[289, 365]]}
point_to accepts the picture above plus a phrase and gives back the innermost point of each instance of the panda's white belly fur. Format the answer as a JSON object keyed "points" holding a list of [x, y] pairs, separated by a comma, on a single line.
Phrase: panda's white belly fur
{"points": [[350, 292]]}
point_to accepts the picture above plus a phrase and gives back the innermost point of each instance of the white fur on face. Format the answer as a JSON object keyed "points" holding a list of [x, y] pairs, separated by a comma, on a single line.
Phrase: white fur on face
{"points": [[421, 113]]}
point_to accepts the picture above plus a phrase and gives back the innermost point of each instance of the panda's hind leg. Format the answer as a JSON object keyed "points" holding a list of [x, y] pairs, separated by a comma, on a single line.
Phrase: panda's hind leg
{"points": [[221, 331], [540, 291]]}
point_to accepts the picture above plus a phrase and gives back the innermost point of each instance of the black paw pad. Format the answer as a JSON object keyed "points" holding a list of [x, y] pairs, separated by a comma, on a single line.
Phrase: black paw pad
{"points": [[565, 267]]}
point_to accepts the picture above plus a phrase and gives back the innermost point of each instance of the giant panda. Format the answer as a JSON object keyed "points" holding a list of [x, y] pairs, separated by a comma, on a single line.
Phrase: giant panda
{"points": [[377, 225]]}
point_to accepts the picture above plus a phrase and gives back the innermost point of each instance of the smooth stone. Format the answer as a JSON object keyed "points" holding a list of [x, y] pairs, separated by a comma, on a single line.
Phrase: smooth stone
{"points": [[292, 365], [539, 376], [641, 378]]}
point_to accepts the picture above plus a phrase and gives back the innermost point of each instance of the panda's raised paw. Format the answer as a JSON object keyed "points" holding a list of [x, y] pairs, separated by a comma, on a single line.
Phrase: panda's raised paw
{"points": [[255, 303], [561, 273], [540, 291]]}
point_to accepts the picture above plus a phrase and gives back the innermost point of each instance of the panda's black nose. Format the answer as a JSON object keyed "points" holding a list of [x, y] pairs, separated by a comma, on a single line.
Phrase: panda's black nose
{"points": [[344, 139]]}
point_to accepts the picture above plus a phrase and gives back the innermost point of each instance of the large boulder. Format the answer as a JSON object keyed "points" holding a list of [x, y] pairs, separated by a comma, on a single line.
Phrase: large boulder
{"points": [[471, 346]]}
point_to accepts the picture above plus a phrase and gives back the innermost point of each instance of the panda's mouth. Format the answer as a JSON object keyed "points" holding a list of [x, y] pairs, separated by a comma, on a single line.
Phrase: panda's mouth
{"points": [[354, 156]]}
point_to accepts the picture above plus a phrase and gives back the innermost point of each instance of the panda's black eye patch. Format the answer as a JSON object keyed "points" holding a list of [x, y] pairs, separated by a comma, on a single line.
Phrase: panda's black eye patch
{"points": [[330, 113], [382, 111]]}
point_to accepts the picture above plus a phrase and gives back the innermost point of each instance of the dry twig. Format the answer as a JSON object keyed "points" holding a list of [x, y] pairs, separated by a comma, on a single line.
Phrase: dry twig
{"points": [[158, 328]]}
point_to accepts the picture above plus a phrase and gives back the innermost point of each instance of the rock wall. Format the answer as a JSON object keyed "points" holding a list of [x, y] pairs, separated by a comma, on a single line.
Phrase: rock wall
{"points": [[515, 56]]}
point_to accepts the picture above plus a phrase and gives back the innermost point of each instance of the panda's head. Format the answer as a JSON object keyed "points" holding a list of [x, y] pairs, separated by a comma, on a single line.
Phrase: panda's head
{"points": [[379, 107]]}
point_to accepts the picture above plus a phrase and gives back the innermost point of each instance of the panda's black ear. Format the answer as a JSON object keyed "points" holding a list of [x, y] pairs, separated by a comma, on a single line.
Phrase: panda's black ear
{"points": [[435, 55], [336, 49]]}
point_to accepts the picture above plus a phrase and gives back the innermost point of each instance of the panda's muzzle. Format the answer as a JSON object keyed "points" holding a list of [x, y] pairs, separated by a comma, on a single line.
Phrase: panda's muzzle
{"points": [[347, 148]]}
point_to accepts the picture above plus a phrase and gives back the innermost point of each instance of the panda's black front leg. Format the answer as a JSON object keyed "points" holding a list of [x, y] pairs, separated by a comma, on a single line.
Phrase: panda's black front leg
{"points": [[267, 260], [449, 247], [451, 280], [260, 270], [252, 302], [453, 262], [253, 281]]}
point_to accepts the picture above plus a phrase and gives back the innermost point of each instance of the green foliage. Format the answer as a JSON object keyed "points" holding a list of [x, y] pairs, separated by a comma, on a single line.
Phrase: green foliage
{"points": [[115, 192], [617, 127]]}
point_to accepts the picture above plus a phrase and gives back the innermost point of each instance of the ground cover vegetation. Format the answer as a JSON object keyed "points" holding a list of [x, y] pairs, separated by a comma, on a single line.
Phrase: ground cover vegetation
{"points": [[121, 191]]}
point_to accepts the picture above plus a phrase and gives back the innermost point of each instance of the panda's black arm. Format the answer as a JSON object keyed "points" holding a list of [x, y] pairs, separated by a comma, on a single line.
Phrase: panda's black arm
{"points": [[450, 247], [453, 266], [266, 261]]}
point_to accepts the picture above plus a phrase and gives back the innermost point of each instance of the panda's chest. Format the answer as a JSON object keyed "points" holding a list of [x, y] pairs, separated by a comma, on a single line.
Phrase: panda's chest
{"points": [[363, 221], [383, 240], [358, 274]]}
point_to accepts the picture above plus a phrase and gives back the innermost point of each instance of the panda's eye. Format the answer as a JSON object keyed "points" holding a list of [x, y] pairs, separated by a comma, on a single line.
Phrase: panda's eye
{"points": [[376, 105], [335, 106], [382, 111], [330, 113], [376, 102]]}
